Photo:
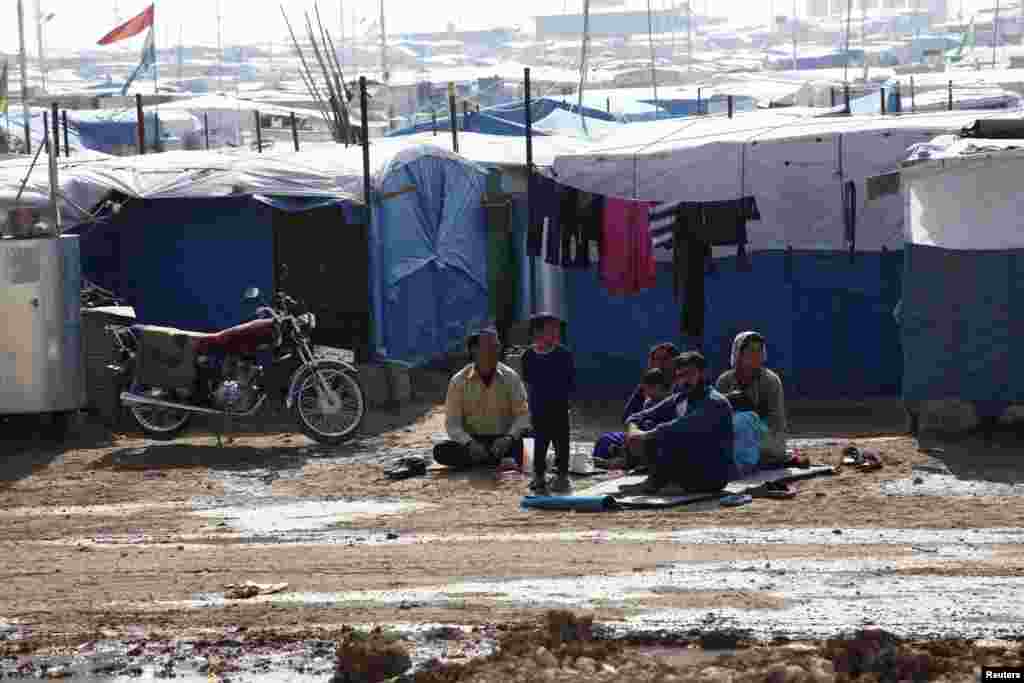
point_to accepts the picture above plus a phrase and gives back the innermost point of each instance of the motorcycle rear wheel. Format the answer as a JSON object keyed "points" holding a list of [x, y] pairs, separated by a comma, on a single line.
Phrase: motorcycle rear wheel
{"points": [[339, 425], [160, 423]]}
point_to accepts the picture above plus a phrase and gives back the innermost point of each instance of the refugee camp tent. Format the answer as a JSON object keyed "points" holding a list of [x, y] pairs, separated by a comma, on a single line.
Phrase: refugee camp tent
{"points": [[962, 310], [826, 263], [188, 231]]}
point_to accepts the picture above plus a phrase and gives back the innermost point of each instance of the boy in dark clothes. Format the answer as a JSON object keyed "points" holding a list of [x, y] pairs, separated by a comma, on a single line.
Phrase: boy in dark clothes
{"points": [[550, 377]]}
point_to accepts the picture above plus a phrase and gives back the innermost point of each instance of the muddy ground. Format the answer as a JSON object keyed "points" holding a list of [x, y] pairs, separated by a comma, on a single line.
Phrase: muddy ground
{"points": [[115, 553]]}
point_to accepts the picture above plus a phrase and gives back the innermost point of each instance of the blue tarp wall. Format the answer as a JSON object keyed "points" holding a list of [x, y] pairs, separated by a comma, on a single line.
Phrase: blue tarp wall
{"points": [[429, 259], [184, 262], [963, 321], [828, 323]]}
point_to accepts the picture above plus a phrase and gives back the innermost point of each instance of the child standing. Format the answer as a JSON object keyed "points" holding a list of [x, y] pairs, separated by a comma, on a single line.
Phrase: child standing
{"points": [[550, 377]]}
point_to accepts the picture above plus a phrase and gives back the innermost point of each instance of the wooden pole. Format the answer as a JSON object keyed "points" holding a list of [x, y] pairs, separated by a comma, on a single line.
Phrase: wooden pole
{"points": [[259, 133], [67, 147], [295, 131], [832, 97], [55, 120], [950, 86], [882, 94], [206, 129], [433, 120], [454, 114], [846, 96], [140, 118], [730, 103]]}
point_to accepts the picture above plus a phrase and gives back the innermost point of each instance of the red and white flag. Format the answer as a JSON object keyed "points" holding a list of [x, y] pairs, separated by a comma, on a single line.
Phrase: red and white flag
{"points": [[132, 27]]}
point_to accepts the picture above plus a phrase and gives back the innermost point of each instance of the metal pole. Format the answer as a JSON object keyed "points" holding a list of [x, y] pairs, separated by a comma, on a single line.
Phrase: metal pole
{"points": [[67, 147], [529, 177], [846, 96], [913, 103], [39, 39], [950, 96], [52, 145], [24, 79], [832, 97], [367, 190], [433, 121], [55, 120], [206, 129], [259, 133], [295, 131], [699, 109], [451, 109], [995, 34], [728, 100], [882, 93], [140, 118]]}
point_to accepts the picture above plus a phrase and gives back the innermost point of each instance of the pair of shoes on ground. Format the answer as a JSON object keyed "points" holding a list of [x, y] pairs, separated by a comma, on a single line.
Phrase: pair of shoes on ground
{"points": [[773, 489], [559, 484], [865, 461]]}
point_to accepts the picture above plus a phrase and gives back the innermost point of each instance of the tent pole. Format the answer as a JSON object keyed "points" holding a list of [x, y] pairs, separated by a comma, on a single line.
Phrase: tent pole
{"points": [[367, 191], [141, 123], [529, 178], [295, 131], [67, 147], [259, 133], [206, 128], [454, 115], [55, 120]]}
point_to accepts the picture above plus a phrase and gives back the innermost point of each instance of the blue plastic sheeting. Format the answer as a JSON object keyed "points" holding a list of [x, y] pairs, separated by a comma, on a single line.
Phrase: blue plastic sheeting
{"points": [[107, 130], [574, 503], [429, 259], [17, 129], [184, 262], [506, 119], [828, 323], [718, 104], [963, 319]]}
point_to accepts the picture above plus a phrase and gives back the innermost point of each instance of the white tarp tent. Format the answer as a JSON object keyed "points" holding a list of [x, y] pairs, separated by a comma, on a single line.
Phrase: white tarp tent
{"points": [[797, 169]]}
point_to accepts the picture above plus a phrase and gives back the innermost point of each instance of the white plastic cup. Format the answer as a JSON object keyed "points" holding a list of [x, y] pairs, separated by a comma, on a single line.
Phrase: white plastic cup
{"points": [[527, 455]]}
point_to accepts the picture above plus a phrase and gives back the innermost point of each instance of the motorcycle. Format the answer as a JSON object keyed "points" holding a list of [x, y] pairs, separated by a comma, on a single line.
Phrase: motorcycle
{"points": [[170, 375]]}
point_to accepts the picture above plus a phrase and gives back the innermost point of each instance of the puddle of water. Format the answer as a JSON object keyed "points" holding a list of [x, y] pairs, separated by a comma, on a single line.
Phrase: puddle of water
{"points": [[818, 598], [928, 483], [274, 516]]}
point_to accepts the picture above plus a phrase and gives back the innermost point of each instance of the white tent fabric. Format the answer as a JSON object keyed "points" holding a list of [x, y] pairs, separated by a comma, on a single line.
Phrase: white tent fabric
{"points": [[77, 195], [796, 168], [966, 184], [562, 122]]}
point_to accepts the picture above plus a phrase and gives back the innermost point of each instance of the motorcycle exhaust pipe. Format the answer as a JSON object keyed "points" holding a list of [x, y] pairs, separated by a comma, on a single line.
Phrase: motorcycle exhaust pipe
{"points": [[128, 398]]}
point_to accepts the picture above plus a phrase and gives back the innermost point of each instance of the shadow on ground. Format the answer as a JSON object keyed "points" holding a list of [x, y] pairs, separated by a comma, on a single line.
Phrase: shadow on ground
{"points": [[997, 459], [32, 443]]}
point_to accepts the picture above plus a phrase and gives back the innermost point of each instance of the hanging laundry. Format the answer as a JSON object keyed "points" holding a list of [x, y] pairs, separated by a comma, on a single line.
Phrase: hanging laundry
{"points": [[544, 204], [627, 258], [580, 224], [561, 233], [690, 229]]}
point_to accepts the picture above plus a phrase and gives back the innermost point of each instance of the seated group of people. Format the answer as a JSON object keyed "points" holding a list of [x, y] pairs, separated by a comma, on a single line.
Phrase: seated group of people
{"points": [[686, 432]]}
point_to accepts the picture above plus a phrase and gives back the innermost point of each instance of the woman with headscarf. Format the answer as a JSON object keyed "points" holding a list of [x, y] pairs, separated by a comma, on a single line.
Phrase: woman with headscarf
{"points": [[750, 380]]}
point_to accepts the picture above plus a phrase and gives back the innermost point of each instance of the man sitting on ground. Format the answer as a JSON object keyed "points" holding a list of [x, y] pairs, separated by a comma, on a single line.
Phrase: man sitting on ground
{"points": [[691, 431], [763, 388], [485, 410], [611, 446]]}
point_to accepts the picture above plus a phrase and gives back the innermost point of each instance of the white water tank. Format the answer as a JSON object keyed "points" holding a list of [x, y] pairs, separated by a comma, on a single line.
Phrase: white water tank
{"points": [[40, 338]]}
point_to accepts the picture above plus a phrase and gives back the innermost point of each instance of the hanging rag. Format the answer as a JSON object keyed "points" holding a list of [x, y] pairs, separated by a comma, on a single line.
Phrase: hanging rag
{"points": [[698, 226], [627, 259], [850, 215], [544, 204]]}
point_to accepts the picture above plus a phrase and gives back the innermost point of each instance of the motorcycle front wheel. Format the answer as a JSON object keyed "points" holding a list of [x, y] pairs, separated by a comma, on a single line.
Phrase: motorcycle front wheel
{"points": [[158, 422], [330, 417]]}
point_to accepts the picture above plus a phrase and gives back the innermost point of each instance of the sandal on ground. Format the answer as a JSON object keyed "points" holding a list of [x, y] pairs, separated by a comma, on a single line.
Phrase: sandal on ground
{"points": [[772, 489], [561, 484], [870, 462], [800, 461], [539, 486], [405, 468], [852, 456]]}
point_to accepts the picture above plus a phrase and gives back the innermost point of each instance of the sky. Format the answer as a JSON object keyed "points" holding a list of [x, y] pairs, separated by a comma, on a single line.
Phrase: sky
{"points": [[77, 24]]}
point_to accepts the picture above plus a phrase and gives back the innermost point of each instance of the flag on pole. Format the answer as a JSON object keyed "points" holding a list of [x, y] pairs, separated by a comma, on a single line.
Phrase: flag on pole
{"points": [[148, 60], [3, 89], [132, 27]]}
